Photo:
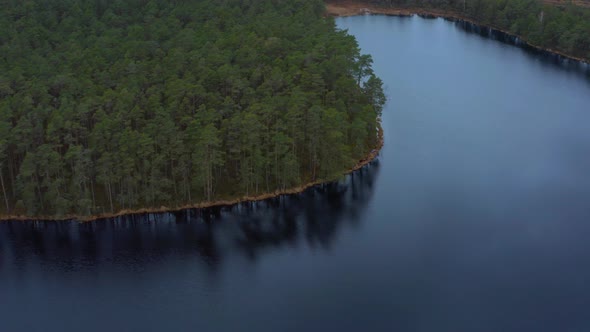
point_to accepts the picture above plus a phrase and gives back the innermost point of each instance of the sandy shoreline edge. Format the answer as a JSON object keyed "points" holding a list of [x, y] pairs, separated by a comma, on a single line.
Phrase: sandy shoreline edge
{"points": [[371, 156], [332, 9], [353, 8]]}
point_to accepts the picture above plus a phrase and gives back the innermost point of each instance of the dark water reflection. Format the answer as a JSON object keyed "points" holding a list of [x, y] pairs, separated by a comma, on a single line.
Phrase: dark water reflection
{"points": [[312, 218], [476, 218], [547, 58]]}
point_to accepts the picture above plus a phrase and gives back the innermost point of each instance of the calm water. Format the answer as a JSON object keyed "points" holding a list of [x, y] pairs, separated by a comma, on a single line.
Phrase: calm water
{"points": [[476, 218]]}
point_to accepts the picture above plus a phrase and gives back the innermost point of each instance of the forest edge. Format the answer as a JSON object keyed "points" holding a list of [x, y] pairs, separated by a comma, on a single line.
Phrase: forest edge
{"points": [[371, 156], [353, 8]]}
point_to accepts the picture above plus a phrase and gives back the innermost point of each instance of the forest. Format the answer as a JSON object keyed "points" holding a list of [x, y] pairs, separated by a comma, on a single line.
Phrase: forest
{"points": [[111, 105], [565, 28]]}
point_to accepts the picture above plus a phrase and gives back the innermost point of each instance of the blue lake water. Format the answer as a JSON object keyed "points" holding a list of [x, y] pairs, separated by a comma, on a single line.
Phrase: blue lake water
{"points": [[475, 218]]}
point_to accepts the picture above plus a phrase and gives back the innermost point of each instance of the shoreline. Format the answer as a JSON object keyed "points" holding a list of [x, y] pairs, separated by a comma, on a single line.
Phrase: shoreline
{"points": [[371, 156], [353, 8]]}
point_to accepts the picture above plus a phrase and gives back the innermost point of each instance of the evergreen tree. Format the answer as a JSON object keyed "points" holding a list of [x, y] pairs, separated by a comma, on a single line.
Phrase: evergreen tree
{"points": [[112, 105]]}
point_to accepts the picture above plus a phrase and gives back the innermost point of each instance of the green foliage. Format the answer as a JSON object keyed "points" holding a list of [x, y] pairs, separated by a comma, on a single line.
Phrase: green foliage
{"points": [[108, 105], [563, 28]]}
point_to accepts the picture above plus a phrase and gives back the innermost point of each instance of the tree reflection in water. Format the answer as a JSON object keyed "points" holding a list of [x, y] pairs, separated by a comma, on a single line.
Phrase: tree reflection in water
{"points": [[313, 218]]}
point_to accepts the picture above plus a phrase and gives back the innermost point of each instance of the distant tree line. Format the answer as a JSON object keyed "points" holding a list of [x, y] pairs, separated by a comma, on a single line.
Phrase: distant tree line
{"points": [[563, 28], [120, 104]]}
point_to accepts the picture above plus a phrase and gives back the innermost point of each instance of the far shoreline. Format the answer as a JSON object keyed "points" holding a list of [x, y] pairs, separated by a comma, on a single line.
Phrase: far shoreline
{"points": [[371, 156], [356, 8]]}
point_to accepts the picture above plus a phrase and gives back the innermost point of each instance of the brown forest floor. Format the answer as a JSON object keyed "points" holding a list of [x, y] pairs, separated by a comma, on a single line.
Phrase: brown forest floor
{"points": [[350, 8], [581, 3]]}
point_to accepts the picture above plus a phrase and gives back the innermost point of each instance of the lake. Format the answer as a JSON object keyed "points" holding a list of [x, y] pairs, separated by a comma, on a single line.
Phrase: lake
{"points": [[476, 217]]}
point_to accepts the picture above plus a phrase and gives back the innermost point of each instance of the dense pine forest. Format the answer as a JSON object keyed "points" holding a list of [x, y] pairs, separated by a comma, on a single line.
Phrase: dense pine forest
{"points": [[108, 105], [565, 28]]}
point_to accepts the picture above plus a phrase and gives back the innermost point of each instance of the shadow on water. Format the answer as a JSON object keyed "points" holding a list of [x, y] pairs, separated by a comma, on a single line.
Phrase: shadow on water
{"points": [[312, 218], [547, 57]]}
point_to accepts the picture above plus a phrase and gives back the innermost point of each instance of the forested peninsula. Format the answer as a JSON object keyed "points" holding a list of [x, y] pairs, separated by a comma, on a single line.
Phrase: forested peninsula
{"points": [[557, 26], [108, 106]]}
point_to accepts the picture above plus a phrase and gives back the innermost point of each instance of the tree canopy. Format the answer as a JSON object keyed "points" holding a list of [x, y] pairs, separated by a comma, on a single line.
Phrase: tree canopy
{"points": [[565, 28], [108, 105]]}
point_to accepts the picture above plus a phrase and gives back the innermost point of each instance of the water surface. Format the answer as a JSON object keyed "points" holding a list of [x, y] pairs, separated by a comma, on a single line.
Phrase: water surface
{"points": [[475, 218]]}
